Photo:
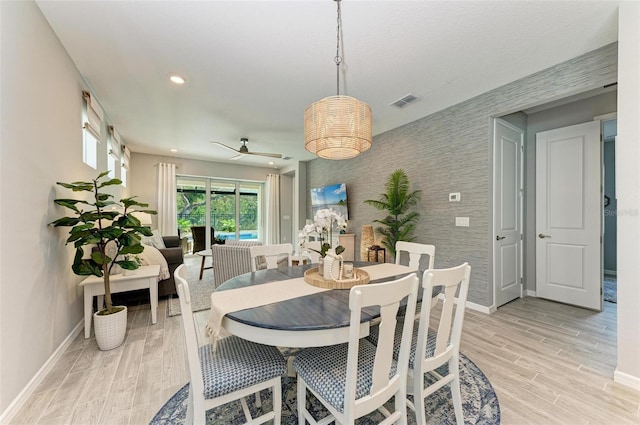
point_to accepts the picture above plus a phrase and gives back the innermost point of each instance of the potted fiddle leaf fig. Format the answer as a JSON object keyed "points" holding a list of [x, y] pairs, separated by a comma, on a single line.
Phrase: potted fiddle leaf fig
{"points": [[106, 236], [399, 224]]}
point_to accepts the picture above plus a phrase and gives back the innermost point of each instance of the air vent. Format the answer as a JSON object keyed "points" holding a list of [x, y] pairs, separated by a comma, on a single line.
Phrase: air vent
{"points": [[406, 100]]}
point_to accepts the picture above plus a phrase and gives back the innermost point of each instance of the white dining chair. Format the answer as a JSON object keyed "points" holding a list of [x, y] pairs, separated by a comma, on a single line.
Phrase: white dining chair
{"points": [[271, 255], [415, 251], [432, 348], [357, 378], [236, 369], [414, 255]]}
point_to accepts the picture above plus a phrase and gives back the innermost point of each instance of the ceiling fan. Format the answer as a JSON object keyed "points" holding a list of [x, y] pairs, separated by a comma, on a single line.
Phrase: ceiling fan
{"points": [[244, 150]]}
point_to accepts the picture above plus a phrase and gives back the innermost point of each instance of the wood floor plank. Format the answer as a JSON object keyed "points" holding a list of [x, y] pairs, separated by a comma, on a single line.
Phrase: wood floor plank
{"points": [[549, 363]]}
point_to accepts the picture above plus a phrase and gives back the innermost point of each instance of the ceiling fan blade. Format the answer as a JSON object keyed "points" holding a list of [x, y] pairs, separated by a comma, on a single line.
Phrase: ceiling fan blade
{"points": [[270, 155], [225, 146]]}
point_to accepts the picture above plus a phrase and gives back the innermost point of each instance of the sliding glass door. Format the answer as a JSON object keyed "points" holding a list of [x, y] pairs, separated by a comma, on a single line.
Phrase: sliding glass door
{"points": [[233, 209], [236, 209]]}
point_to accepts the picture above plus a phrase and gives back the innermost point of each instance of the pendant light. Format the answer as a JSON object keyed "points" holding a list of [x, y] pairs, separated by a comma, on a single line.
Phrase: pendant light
{"points": [[337, 127]]}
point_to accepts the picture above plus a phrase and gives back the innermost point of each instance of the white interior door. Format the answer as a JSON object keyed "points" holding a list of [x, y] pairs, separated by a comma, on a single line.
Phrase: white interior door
{"points": [[507, 212], [568, 215]]}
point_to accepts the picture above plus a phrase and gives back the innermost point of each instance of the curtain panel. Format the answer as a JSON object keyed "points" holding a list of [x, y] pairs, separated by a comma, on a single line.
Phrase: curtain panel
{"points": [[272, 231], [167, 207]]}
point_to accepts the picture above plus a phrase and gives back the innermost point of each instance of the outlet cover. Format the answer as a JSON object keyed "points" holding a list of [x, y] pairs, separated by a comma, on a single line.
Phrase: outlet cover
{"points": [[462, 221]]}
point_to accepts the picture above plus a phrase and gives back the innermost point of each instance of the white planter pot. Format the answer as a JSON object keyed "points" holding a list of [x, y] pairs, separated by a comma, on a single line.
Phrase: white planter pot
{"points": [[110, 329]]}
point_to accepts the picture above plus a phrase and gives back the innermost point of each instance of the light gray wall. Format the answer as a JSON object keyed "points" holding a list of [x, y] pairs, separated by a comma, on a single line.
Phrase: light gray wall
{"points": [[450, 151], [561, 116], [628, 195], [286, 209], [41, 97]]}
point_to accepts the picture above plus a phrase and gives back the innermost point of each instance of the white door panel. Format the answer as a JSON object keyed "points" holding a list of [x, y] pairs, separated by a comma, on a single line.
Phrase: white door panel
{"points": [[507, 211], [568, 215]]}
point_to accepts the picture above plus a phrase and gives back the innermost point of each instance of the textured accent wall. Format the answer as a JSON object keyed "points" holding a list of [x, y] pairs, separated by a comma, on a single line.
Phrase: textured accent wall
{"points": [[450, 151]]}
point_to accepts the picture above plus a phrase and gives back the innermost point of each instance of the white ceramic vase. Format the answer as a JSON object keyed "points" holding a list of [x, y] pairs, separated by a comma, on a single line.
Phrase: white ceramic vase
{"points": [[332, 264], [110, 329], [328, 263]]}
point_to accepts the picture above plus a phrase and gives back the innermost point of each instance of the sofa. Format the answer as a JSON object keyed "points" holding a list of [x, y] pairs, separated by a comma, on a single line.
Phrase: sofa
{"points": [[173, 254]]}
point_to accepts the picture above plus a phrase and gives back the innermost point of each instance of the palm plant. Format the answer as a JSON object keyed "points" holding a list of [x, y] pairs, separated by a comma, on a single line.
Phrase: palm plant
{"points": [[398, 200], [100, 228]]}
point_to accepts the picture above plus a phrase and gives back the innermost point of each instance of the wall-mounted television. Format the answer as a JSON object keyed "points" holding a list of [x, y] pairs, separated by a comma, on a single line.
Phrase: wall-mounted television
{"points": [[332, 196]]}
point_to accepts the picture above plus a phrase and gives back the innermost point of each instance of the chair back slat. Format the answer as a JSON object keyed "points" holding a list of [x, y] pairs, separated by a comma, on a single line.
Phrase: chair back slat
{"points": [[454, 281], [271, 253], [190, 330], [415, 251], [387, 296]]}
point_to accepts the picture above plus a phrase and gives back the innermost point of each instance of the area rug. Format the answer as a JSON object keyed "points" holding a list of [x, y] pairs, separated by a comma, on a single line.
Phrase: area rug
{"points": [[480, 404], [200, 289], [610, 288]]}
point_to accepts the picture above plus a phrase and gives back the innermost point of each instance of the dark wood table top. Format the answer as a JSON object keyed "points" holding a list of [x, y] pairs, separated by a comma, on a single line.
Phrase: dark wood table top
{"points": [[321, 311]]}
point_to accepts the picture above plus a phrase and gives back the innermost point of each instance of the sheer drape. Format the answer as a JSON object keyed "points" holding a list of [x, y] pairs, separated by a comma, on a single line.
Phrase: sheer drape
{"points": [[272, 232], [167, 207]]}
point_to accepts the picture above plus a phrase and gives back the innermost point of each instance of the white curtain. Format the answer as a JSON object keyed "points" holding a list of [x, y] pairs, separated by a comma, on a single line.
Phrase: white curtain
{"points": [[167, 207], [272, 232]]}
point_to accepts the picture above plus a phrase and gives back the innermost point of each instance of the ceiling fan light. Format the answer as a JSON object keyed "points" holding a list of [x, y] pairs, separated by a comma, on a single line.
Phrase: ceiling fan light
{"points": [[337, 127]]}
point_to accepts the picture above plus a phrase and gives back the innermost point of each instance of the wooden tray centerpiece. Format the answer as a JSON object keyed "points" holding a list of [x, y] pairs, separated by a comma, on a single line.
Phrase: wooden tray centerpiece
{"points": [[312, 277]]}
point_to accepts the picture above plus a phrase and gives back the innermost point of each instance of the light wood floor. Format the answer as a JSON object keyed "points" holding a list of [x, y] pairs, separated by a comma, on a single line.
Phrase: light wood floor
{"points": [[549, 364]]}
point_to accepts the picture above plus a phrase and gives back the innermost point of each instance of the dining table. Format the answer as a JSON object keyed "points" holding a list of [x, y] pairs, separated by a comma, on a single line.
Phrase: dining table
{"points": [[278, 307]]}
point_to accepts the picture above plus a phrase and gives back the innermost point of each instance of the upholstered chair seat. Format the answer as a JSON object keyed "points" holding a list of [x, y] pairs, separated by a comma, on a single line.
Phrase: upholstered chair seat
{"points": [[236, 364]]}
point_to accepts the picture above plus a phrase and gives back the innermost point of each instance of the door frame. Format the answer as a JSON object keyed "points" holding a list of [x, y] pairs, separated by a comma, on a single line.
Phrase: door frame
{"points": [[494, 120]]}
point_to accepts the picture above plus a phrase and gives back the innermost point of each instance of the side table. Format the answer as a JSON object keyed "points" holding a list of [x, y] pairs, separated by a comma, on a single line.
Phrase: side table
{"points": [[141, 278], [207, 253], [376, 254]]}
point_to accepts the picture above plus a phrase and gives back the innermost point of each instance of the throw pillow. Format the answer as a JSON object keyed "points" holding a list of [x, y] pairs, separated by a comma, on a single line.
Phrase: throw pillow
{"points": [[154, 240], [151, 256]]}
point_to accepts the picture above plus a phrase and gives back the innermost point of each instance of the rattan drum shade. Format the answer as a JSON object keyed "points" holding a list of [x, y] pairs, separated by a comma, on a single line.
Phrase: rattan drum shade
{"points": [[337, 127]]}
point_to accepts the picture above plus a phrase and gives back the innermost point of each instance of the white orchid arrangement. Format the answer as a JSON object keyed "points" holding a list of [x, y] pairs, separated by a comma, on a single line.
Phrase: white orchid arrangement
{"points": [[323, 224]]}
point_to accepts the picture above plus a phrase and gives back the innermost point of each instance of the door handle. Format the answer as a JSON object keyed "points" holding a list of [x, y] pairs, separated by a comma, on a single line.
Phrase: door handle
{"points": [[542, 236], [499, 238]]}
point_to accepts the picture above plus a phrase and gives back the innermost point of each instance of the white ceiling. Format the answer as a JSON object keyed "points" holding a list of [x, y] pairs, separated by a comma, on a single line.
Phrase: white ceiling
{"points": [[252, 67]]}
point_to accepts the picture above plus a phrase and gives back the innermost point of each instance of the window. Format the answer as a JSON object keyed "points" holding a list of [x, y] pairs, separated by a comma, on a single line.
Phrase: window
{"points": [[225, 203], [124, 169], [113, 152], [92, 116], [90, 149]]}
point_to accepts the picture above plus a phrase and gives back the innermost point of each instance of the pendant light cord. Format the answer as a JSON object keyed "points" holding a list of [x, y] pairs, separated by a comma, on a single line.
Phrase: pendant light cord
{"points": [[338, 58]]}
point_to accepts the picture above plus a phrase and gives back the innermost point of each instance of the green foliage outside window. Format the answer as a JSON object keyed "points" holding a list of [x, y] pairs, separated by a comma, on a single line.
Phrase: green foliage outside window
{"points": [[191, 208]]}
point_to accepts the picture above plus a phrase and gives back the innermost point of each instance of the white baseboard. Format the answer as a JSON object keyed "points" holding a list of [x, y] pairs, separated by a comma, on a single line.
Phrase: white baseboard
{"points": [[481, 308], [627, 380], [28, 390], [530, 293], [611, 272]]}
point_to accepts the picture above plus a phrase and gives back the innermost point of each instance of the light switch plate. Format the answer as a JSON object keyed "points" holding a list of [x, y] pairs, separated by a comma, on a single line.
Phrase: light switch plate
{"points": [[454, 197], [462, 221]]}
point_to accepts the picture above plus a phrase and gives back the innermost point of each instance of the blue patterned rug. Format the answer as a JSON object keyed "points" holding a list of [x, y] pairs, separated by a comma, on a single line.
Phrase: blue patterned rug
{"points": [[480, 404]]}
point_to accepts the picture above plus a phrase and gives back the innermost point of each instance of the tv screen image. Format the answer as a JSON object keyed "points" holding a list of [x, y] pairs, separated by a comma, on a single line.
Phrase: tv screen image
{"points": [[332, 196]]}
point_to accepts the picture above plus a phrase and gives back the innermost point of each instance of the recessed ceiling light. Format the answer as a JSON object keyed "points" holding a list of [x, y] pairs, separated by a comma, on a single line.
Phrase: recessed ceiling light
{"points": [[270, 162], [176, 79], [174, 150]]}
